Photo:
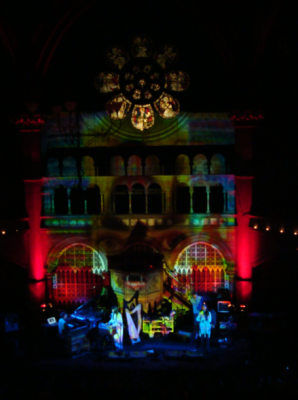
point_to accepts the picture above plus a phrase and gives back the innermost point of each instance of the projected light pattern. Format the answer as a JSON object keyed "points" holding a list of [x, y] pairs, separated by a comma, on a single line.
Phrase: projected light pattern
{"points": [[95, 128], [202, 198], [142, 81], [200, 267], [134, 187], [77, 270]]}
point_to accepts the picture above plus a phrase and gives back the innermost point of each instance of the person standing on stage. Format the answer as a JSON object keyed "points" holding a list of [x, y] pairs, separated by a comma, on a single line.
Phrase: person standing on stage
{"points": [[196, 302], [116, 322], [62, 324], [204, 319]]}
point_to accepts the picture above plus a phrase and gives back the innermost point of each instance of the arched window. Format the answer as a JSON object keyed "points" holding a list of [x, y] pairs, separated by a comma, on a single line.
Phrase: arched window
{"points": [[182, 165], [203, 266], [182, 199], [88, 168], [93, 200], [61, 201], [138, 200], [121, 199], [69, 167], [218, 165], [77, 197], [200, 166], [152, 165], [154, 199], [75, 275], [53, 167], [134, 167], [117, 166], [216, 199], [199, 199]]}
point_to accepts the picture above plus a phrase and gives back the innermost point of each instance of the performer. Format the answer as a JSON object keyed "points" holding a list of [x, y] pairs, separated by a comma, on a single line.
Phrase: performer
{"points": [[134, 322], [196, 302], [116, 322], [204, 318], [62, 324]]}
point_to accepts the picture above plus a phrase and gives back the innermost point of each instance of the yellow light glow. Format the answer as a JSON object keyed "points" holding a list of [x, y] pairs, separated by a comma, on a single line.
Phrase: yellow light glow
{"points": [[295, 233], [282, 230], [256, 227], [268, 228], [3, 232]]}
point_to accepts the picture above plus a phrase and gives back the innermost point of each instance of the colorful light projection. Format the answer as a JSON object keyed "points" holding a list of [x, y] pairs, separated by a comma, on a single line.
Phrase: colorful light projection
{"points": [[142, 82], [200, 267], [149, 284], [77, 273], [202, 199], [96, 131]]}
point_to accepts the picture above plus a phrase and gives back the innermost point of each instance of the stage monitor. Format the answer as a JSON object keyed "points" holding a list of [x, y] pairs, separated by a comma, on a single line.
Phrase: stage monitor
{"points": [[223, 306], [52, 321]]}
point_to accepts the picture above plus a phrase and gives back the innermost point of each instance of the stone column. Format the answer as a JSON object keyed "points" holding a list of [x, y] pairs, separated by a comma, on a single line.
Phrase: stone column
{"points": [[106, 201], [113, 203], [175, 201], [146, 200], [101, 203], [52, 199], [225, 201], [48, 201], [168, 202], [231, 201], [208, 200], [129, 201], [85, 204], [68, 200], [191, 200]]}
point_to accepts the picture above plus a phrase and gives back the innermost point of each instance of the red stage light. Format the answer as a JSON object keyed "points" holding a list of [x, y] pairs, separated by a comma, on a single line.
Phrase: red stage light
{"points": [[43, 305]]}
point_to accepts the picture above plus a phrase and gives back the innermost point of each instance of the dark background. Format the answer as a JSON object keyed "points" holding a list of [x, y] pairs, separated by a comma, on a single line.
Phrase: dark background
{"points": [[240, 57]]}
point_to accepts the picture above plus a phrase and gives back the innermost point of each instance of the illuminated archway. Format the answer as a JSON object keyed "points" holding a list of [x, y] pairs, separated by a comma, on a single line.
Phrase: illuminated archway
{"points": [[77, 274], [200, 267]]}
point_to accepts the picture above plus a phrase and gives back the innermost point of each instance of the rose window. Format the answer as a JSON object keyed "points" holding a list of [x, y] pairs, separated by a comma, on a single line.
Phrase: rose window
{"points": [[142, 83]]}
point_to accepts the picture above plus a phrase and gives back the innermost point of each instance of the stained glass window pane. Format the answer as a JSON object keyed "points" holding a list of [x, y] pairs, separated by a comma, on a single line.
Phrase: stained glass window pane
{"points": [[107, 82], [118, 107], [167, 106], [117, 57], [142, 117], [176, 81], [167, 56], [141, 46]]}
